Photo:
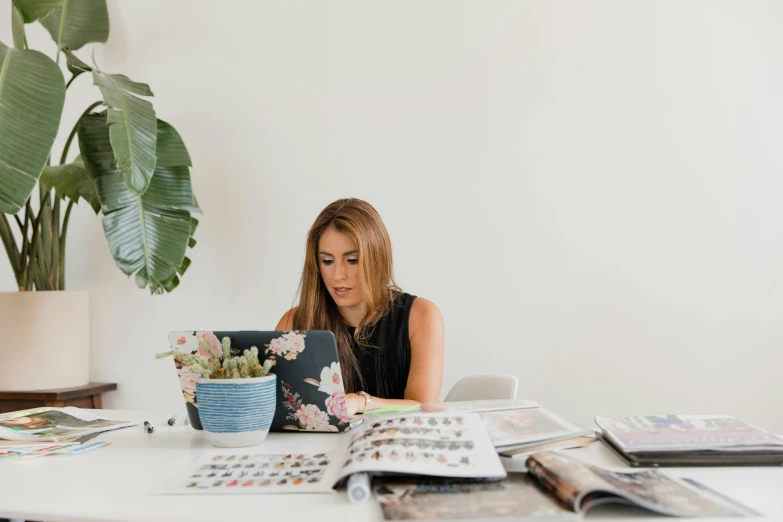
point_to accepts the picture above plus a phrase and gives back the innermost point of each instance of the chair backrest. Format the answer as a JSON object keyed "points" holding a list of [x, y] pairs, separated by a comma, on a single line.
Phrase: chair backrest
{"points": [[483, 387]]}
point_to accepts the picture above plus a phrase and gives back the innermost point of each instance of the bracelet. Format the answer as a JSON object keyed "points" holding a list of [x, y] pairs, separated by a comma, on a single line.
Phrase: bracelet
{"points": [[367, 400]]}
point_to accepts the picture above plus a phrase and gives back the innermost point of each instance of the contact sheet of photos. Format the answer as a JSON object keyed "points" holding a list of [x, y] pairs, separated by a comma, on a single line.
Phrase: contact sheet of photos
{"points": [[257, 473], [430, 444], [439, 444]]}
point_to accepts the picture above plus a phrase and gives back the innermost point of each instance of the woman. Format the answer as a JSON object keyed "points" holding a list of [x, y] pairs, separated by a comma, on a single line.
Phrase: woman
{"points": [[390, 343]]}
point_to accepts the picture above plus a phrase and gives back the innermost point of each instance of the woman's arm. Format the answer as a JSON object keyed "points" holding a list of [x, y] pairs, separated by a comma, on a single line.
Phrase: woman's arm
{"points": [[425, 377]]}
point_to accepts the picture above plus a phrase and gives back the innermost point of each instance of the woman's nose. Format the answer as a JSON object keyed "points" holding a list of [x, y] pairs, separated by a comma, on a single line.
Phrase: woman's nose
{"points": [[339, 271]]}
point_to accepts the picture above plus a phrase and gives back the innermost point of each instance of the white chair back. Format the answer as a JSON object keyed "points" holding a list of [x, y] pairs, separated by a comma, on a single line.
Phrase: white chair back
{"points": [[483, 387]]}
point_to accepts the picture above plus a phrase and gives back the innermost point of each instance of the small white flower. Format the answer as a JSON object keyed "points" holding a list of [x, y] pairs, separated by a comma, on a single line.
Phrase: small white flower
{"points": [[331, 379]]}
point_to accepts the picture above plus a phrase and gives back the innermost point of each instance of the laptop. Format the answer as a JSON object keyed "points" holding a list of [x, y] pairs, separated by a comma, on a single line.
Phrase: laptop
{"points": [[310, 392]]}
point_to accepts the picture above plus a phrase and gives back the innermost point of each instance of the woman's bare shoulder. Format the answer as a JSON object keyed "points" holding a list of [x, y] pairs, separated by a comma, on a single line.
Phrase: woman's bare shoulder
{"points": [[287, 321], [424, 313]]}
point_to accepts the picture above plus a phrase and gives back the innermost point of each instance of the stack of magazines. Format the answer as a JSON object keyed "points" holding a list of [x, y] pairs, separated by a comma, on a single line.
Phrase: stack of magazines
{"points": [[690, 440], [518, 433], [44, 431]]}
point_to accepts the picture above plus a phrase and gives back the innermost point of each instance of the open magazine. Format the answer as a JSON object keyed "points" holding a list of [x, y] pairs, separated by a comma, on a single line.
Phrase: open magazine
{"points": [[54, 425], [515, 424], [688, 440], [556, 486], [416, 443], [514, 429]]}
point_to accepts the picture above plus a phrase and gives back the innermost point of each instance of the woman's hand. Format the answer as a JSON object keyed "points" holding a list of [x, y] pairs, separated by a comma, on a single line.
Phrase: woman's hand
{"points": [[355, 403]]}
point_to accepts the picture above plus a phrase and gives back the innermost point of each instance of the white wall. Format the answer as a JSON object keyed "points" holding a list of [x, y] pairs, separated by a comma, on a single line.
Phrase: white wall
{"points": [[590, 191]]}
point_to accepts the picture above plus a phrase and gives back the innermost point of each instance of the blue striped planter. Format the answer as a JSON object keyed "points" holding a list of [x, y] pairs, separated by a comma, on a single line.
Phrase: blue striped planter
{"points": [[236, 412]]}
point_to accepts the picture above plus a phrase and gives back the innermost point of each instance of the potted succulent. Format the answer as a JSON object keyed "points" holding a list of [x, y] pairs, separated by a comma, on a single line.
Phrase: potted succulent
{"points": [[236, 394], [131, 167]]}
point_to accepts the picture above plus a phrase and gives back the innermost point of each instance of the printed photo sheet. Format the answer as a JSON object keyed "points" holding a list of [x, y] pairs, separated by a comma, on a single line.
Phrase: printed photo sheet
{"points": [[439, 444], [417, 444], [254, 473]]}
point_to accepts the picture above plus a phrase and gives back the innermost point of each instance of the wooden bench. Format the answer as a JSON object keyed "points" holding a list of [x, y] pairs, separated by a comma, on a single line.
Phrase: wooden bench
{"points": [[82, 397]]}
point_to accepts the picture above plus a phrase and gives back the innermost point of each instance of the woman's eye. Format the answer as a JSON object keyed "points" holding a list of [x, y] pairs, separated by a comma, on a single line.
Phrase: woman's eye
{"points": [[353, 261], [327, 262]]}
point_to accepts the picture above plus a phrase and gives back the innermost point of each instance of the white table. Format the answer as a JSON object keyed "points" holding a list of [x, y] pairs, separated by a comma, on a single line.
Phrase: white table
{"points": [[118, 482]]}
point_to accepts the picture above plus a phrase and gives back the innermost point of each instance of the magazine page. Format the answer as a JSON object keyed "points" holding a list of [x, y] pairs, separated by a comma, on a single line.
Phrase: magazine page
{"points": [[583, 486], [514, 498], [524, 451], [54, 448], [656, 491], [685, 432], [568, 479], [227, 473], [479, 406], [54, 424], [435, 444], [523, 426]]}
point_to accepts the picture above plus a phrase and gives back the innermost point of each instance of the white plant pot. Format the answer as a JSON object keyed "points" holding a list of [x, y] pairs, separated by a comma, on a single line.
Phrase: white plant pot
{"points": [[46, 340]]}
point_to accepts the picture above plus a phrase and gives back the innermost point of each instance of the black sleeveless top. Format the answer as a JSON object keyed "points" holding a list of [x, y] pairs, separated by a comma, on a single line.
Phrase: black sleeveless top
{"points": [[384, 365]]}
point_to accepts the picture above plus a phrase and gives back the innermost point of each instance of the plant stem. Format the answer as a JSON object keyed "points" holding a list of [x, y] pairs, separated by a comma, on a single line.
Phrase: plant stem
{"points": [[33, 255], [45, 237], [64, 155], [41, 281], [28, 210], [55, 276], [62, 244], [10, 246]]}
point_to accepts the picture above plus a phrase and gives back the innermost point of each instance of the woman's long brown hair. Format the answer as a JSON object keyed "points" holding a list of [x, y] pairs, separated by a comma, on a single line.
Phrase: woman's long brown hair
{"points": [[317, 310]]}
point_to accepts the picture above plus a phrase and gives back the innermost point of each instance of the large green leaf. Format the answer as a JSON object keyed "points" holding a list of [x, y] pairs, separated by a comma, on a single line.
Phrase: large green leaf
{"points": [[32, 10], [32, 93], [17, 28], [148, 234], [71, 181], [75, 65], [132, 127], [72, 23]]}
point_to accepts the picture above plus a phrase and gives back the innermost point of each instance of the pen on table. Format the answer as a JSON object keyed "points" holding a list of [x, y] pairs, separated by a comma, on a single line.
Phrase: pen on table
{"points": [[177, 419], [358, 488], [148, 427]]}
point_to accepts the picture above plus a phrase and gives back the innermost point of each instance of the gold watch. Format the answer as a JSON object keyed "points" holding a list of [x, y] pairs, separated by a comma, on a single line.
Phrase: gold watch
{"points": [[367, 399]]}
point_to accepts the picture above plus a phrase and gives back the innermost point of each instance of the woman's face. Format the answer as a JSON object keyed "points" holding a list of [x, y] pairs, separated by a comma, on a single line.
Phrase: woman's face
{"points": [[338, 261], [18, 421]]}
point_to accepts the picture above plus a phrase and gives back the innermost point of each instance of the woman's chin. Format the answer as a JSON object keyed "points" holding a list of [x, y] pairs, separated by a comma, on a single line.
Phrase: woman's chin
{"points": [[347, 301]]}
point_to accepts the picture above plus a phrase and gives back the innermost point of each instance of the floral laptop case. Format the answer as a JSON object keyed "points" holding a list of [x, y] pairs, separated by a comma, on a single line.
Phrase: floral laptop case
{"points": [[310, 392]]}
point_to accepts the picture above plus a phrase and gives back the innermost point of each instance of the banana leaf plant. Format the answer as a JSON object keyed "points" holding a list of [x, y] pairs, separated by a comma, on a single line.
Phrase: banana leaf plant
{"points": [[132, 168]]}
